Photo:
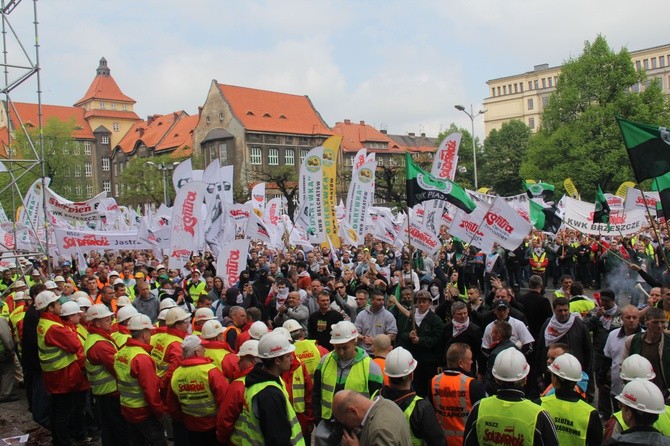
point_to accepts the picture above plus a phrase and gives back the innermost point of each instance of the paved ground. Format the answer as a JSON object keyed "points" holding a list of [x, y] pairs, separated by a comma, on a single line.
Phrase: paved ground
{"points": [[16, 420]]}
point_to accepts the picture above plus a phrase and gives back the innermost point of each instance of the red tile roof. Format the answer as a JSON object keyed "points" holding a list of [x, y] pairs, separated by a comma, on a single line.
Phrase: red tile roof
{"points": [[161, 133], [355, 137], [270, 111], [104, 87], [28, 114], [180, 135], [4, 140], [111, 114]]}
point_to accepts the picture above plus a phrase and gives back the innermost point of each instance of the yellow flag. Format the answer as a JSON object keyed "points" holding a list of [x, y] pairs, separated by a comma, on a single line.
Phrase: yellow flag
{"points": [[483, 190], [571, 189], [623, 189], [331, 146]]}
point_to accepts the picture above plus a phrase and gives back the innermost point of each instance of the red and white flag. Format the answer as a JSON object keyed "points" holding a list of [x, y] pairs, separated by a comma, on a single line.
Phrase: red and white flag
{"points": [[187, 223], [446, 157], [503, 224], [232, 261]]}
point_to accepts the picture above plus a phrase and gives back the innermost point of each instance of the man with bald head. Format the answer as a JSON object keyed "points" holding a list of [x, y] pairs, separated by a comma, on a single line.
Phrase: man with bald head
{"points": [[384, 421]]}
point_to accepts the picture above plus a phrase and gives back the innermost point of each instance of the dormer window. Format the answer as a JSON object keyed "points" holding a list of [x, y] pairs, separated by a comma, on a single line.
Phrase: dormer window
{"points": [[266, 115], [220, 117], [250, 113], [102, 105]]}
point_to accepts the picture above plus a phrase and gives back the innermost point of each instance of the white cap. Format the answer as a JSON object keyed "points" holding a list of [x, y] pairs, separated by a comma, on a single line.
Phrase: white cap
{"points": [[292, 325], [167, 303], [204, 314], [160, 267], [21, 295], [97, 311], [118, 282], [36, 272], [51, 285], [399, 362], [175, 315], [162, 314], [19, 284], [273, 345], [636, 366], [59, 279], [84, 302], [343, 332], [123, 301], [190, 342], [249, 348], [125, 313], [566, 366], [69, 308], [139, 322], [257, 330], [510, 365], [112, 273], [79, 294], [211, 329], [642, 395], [45, 298], [283, 331]]}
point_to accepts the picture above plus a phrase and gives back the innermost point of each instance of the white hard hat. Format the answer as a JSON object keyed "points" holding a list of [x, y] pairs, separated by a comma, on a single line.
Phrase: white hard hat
{"points": [[69, 308], [19, 284], [343, 332], [118, 282], [167, 303], [204, 314], [249, 348], [77, 294], [97, 311], [292, 325], [160, 267], [21, 295], [51, 285], [284, 332], [257, 330], [211, 329], [112, 273], [399, 362], [139, 322], [36, 272], [59, 279], [43, 299], [510, 365], [190, 342], [176, 314], [642, 395], [125, 313], [123, 301], [162, 314], [273, 345], [636, 366], [567, 367], [84, 302]]}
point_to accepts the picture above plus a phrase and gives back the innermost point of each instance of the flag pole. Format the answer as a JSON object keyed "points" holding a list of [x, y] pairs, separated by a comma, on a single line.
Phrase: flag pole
{"points": [[653, 225], [411, 264]]}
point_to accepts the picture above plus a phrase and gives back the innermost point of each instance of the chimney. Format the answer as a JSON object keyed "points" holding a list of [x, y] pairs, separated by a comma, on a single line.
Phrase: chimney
{"points": [[141, 131], [383, 131], [362, 122], [199, 111], [347, 121], [411, 134], [175, 115], [423, 135], [151, 119]]}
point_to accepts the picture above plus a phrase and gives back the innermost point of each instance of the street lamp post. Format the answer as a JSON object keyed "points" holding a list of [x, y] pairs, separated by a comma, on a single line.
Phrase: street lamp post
{"points": [[164, 168], [472, 117]]}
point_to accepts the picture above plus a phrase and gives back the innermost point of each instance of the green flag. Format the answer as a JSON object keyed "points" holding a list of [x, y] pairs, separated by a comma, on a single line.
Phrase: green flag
{"points": [[422, 186], [544, 219], [648, 149], [539, 190], [662, 185], [602, 211]]}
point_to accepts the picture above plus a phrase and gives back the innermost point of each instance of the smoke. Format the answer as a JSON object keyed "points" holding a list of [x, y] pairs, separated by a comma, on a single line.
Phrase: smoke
{"points": [[622, 282]]}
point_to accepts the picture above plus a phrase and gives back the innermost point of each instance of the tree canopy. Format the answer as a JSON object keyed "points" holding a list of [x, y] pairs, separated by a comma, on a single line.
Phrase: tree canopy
{"points": [[504, 151]]}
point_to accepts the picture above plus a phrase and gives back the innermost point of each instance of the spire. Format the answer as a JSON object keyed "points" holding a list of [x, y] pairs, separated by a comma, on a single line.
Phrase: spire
{"points": [[102, 68]]}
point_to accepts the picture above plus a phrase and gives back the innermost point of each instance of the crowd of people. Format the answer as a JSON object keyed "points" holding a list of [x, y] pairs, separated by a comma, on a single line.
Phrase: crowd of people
{"points": [[370, 345]]}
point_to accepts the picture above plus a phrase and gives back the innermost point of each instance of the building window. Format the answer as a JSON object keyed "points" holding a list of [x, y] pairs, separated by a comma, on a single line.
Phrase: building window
{"points": [[653, 62], [521, 86], [645, 64], [78, 190], [116, 189], [504, 89], [288, 140], [66, 149], [104, 140], [102, 105], [516, 88], [68, 190], [87, 148], [116, 169], [545, 101], [493, 92], [303, 155], [88, 169], [498, 91], [289, 157], [661, 61], [535, 84], [530, 104], [77, 171], [223, 153], [220, 117], [380, 161], [113, 105], [273, 157], [107, 186], [105, 164], [212, 152], [304, 141], [530, 85], [124, 107], [77, 148], [544, 82], [207, 120], [89, 191], [638, 65], [256, 156], [531, 123], [551, 82], [116, 127]]}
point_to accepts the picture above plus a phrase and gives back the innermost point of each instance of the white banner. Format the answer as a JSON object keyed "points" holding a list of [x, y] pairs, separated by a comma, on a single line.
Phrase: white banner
{"points": [[503, 225], [32, 215], [634, 200], [69, 241], [240, 214], [359, 159], [466, 227], [359, 199], [232, 260], [60, 207], [187, 224], [258, 198], [310, 212], [256, 230], [3, 215], [422, 238], [579, 216], [446, 157]]}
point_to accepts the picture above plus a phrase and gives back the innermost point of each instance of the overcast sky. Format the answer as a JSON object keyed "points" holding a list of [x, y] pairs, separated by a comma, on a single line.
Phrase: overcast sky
{"points": [[398, 65]]}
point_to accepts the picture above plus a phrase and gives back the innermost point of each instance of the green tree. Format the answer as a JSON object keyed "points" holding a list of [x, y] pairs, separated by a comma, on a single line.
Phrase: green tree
{"points": [[504, 150], [140, 184], [284, 179], [579, 137]]}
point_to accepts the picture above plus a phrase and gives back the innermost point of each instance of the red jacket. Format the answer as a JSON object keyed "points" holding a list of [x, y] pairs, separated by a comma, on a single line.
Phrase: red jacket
{"points": [[231, 408], [306, 418], [241, 339], [217, 384], [73, 377], [143, 369], [102, 353], [230, 366], [172, 357]]}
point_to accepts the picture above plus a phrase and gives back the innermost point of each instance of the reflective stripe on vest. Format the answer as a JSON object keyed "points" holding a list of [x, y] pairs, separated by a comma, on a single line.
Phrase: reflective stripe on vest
{"points": [[247, 429], [51, 358], [357, 380], [217, 355], [191, 386], [662, 424], [131, 393], [102, 382], [15, 318], [506, 422], [195, 290], [571, 419], [451, 396], [308, 353], [537, 262], [163, 340], [408, 414], [298, 390]]}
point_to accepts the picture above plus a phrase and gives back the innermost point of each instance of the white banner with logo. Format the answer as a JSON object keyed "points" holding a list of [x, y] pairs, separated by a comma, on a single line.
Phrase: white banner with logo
{"points": [[69, 241], [61, 208], [359, 199], [635, 200], [182, 174], [240, 215], [503, 225], [256, 230], [258, 198], [446, 157], [32, 215], [310, 212], [187, 223], [579, 216], [422, 238], [466, 227], [232, 260]]}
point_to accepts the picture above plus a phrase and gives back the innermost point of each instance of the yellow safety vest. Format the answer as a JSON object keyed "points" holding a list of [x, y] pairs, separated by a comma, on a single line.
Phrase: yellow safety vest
{"points": [[571, 419], [582, 306], [298, 389], [195, 290], [159, 350], [506, 422], [82, 333], [217, 355], [102, 382], [51, 358], [662, 424], [15, 317], [120, 339], [356, 380], [132, 395], [308, 353], [247, 430], [409, 410], [191, 386]]}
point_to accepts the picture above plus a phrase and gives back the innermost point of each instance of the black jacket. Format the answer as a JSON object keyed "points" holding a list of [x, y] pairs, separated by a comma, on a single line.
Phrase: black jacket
{"points": [[537, 309], [423, 421], [473, 337]]}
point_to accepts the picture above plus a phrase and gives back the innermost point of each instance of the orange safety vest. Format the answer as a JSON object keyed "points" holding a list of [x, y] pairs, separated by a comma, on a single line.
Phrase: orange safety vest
{"points": [[538, 264], [451, 396], [381, 362]]}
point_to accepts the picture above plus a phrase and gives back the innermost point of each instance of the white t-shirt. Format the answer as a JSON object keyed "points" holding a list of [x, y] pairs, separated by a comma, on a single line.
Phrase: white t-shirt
{"points": [[520, 334]]}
